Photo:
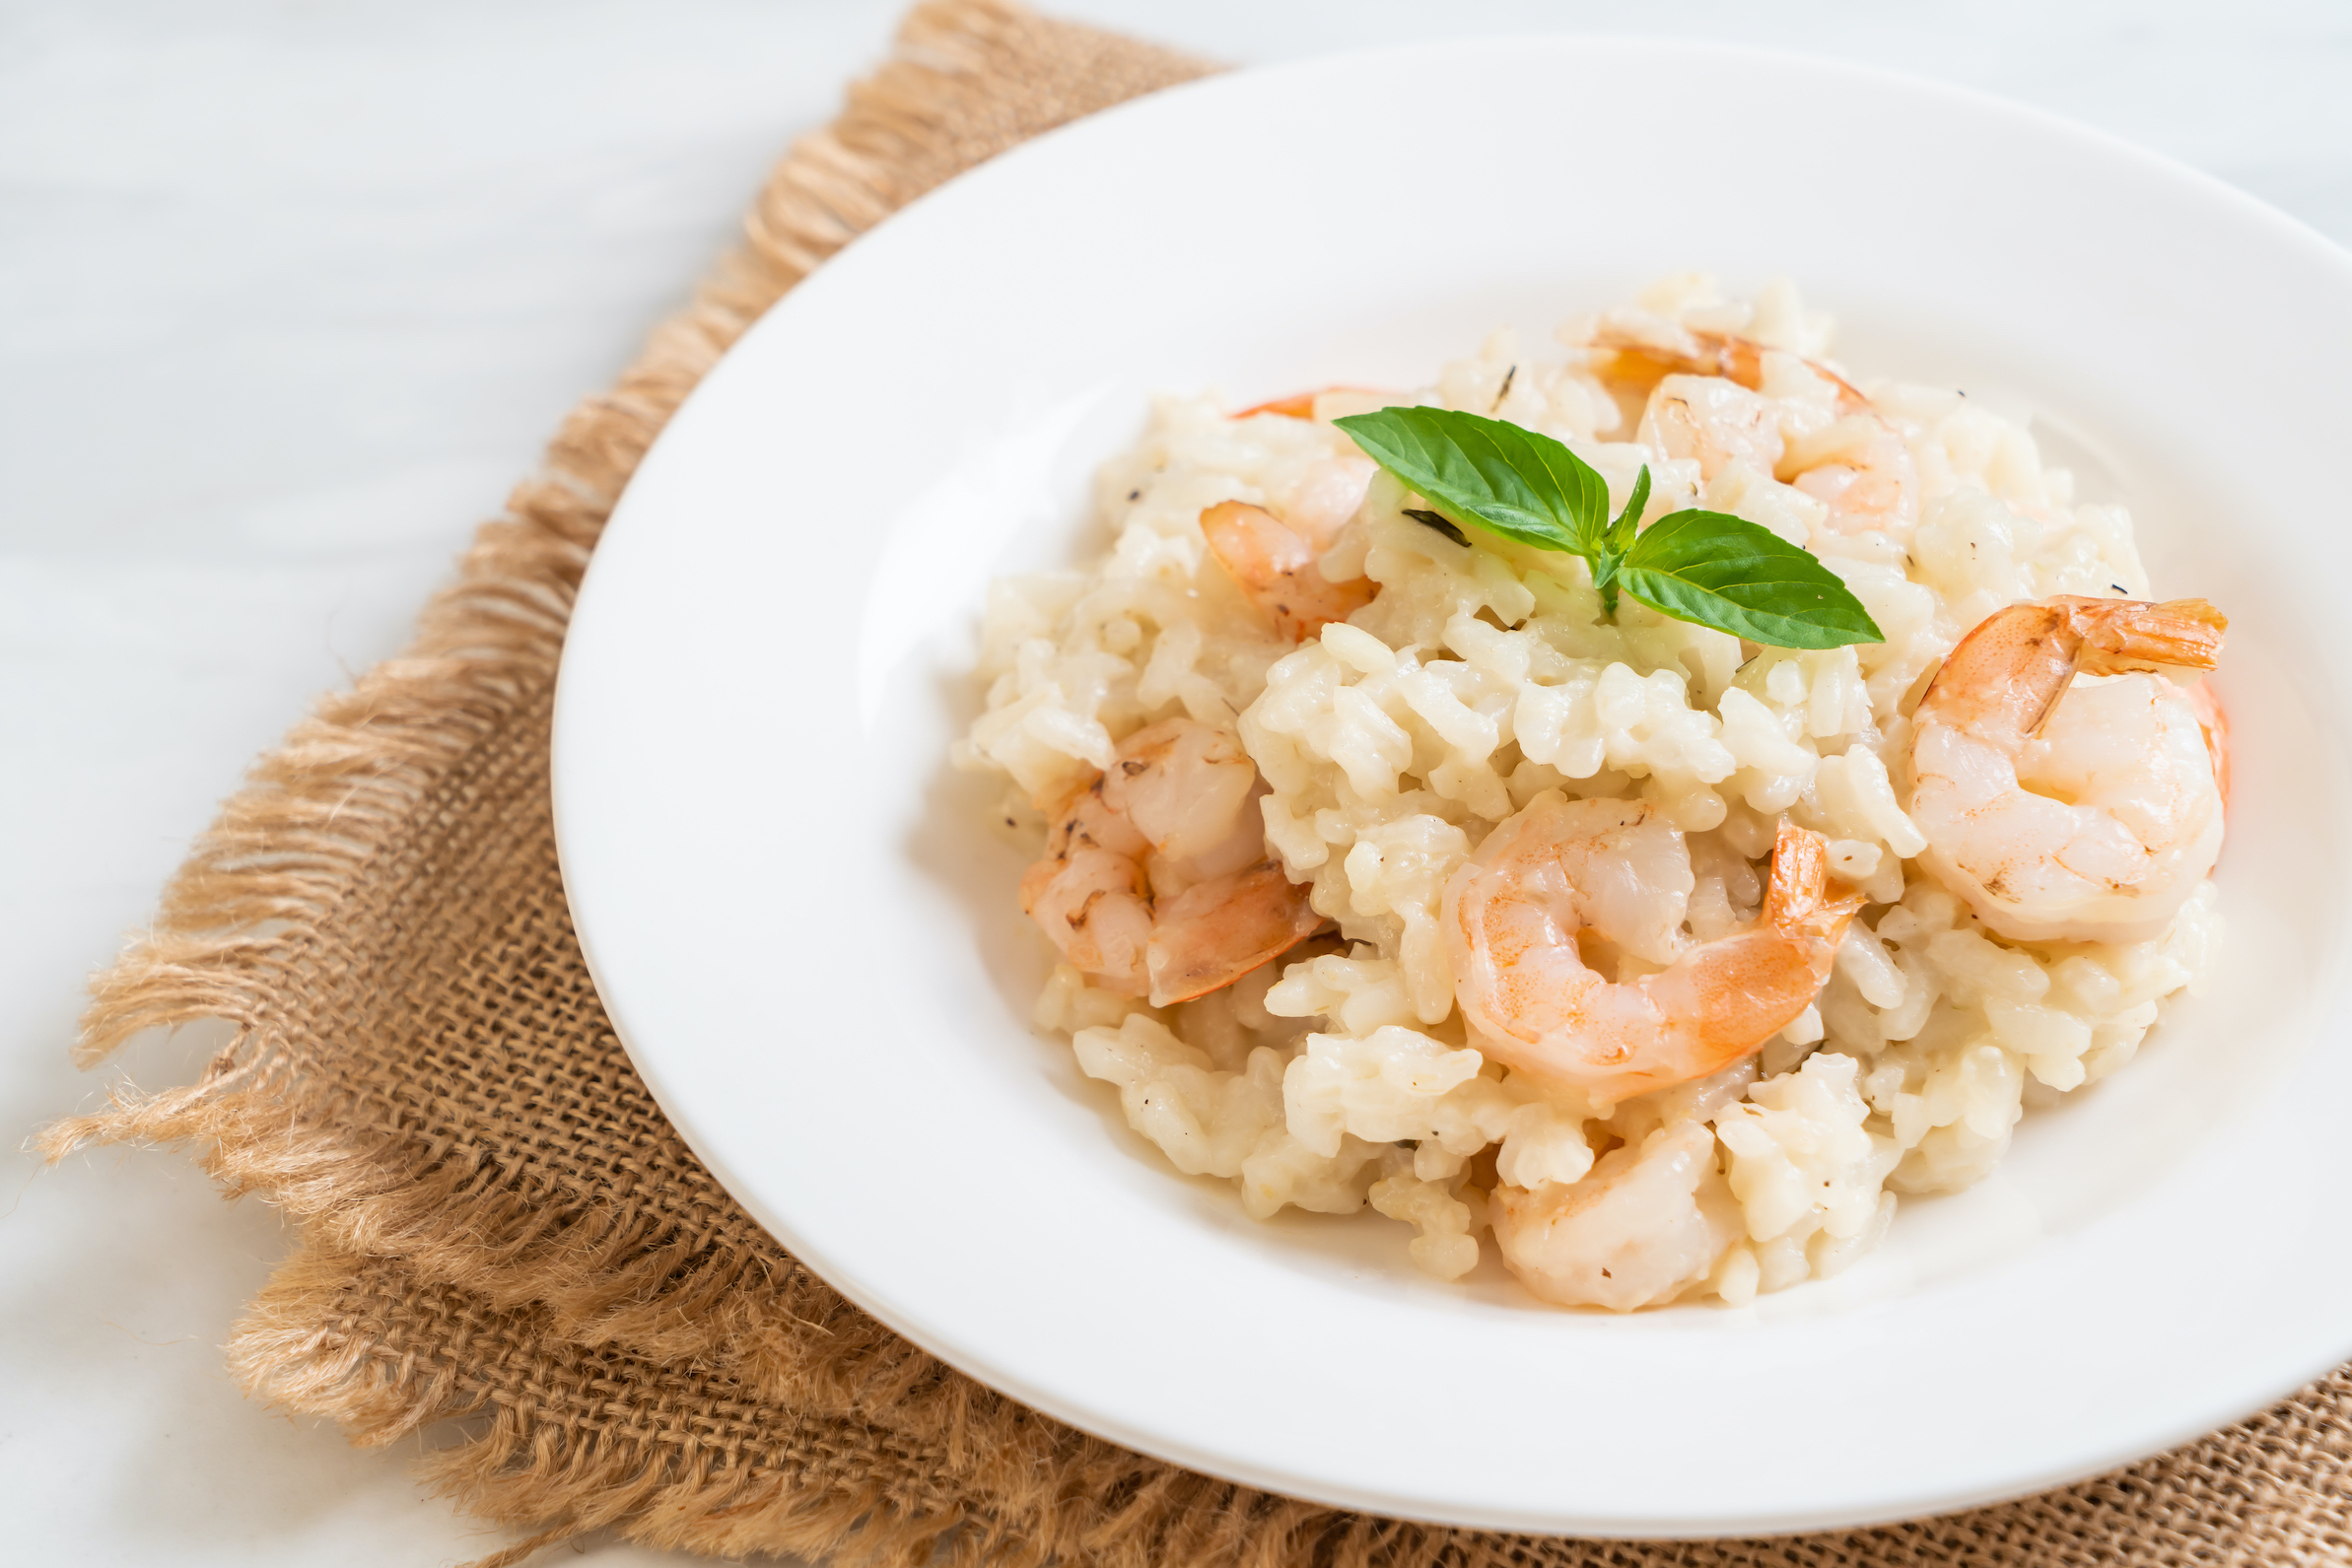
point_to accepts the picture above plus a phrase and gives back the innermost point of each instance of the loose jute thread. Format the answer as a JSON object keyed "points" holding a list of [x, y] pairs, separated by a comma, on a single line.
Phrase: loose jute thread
{"points": [[496, 1223]]}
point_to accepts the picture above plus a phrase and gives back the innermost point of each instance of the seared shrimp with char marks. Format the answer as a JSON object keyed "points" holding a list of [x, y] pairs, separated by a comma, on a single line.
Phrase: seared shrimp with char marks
{"points": [[2065, 810], [1155, 879], [1618, 870]]}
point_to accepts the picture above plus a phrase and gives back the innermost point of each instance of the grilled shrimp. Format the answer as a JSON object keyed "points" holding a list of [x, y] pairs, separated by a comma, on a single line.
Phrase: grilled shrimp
{"points": [[1516, 914], [2065, 810], [1155, 879]]}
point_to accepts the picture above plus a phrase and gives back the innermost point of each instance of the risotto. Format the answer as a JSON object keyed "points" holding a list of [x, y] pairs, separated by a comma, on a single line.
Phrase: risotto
{"points": [[1391, 864]]}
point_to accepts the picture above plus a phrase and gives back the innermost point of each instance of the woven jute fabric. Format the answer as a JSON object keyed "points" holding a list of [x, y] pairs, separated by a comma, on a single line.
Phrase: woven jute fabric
{"points": [[495, 1221]]}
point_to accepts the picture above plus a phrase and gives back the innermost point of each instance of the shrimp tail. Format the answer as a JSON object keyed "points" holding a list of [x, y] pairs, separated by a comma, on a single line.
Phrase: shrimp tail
{"points": [[2124, 635], [1211, 935], [1803, 901], [2011, 671], [1643, 362]]}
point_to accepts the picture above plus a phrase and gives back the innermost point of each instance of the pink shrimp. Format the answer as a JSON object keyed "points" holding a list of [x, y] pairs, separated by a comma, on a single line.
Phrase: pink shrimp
{"points": [[1643, 362], [2065, 812], [1273, 565], [1155, 879], [1301, 405], [1617, 868], [1859, 467]]}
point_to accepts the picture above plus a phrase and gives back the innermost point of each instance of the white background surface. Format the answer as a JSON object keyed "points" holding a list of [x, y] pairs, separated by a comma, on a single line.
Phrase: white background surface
{"points": [[289, 295]]}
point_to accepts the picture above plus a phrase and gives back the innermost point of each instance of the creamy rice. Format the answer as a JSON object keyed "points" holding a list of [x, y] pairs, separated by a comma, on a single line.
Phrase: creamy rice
{"points": [[1342, 1077]]}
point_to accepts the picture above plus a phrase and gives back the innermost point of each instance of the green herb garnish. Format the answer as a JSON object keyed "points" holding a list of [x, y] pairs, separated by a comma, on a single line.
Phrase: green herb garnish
{"points": [[1705, 567]]}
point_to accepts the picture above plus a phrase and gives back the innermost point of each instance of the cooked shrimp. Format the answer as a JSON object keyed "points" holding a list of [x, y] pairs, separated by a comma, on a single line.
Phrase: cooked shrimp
{"points": [[1301, 405], [1516, 914], [2216, 725], [1155, 881], [1713, 420], [1214, 932], [1096, 908], [1861, 469], [1273, 565], [2064, 811], [1703, 405], [1643, 360], [1645, 1225], [1187, 794], [1324, 498]]}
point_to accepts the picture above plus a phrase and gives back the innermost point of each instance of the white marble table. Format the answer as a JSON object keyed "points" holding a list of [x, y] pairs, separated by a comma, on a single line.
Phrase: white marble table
{"points": [[289, 295]]}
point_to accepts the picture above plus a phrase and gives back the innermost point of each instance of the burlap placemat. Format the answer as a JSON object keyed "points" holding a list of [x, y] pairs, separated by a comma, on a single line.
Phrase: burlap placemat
{"points": [[498, 1223]]}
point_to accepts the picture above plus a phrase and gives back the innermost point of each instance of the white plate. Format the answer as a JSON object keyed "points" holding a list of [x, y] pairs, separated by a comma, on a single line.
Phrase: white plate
{"points": [[806, 936]]}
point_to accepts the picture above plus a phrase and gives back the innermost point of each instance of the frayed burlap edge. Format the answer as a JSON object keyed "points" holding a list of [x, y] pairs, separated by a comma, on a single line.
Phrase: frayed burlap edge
{"points": [[580, 1437], [247, 909], [686, 1302], [365, 1341]]}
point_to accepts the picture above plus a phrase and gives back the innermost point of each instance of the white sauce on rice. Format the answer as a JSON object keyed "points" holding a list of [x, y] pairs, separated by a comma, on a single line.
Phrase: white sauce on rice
{"points": [[1479, 678]]}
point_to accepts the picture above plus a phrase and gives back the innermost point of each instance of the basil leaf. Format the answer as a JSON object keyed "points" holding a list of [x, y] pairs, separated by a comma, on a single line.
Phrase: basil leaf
{"points": [[1487, 471], [1615, 539], [1604, 567], [1629, 521], [1731, 574], [1705, 567]]}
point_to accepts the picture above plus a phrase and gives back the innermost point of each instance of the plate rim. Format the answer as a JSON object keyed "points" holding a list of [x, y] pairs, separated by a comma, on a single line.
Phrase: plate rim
{"points": [[568, 825]]}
